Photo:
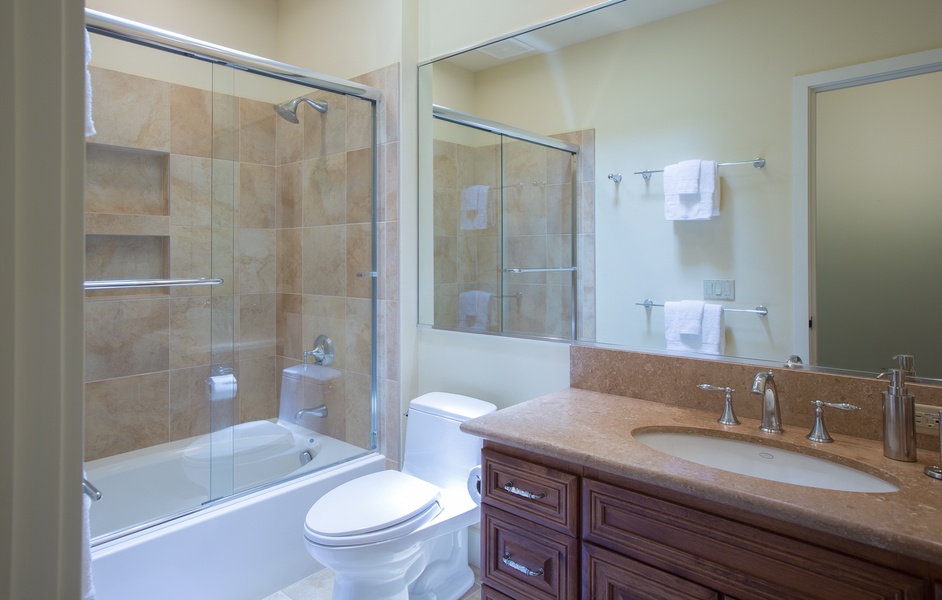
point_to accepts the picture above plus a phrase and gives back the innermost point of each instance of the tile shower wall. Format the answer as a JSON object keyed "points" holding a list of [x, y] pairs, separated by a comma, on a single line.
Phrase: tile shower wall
{"points": [[290, 246], [536, 210]]}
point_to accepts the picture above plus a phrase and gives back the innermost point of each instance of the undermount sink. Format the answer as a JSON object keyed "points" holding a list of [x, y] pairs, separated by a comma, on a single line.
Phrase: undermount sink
{"points": [[764, 462]]}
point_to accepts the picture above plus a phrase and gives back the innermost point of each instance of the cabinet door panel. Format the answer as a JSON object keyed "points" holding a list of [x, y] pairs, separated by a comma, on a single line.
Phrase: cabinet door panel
{"points": [[733, 557], [610, 576], [543, 495], [525, 560]]}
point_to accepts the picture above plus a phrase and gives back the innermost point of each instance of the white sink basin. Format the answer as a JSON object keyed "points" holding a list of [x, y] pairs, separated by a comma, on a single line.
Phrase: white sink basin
{"points": [[764, 462]]}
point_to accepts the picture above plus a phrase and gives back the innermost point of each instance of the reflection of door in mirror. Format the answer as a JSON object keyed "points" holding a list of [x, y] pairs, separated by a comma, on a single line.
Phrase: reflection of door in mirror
{"points": [[877, 273], [506, 239]]}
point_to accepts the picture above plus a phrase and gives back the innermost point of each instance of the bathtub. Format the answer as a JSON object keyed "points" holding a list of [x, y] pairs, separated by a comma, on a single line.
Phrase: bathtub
{"points": [[246, 547]]}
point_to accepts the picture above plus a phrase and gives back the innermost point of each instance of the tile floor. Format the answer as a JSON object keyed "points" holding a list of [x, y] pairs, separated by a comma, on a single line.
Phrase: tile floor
{"points": [[318, 587]]}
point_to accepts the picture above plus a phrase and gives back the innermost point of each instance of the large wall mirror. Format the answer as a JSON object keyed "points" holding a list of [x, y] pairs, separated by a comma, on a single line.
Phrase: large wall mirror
{"points": [[654, 83]]}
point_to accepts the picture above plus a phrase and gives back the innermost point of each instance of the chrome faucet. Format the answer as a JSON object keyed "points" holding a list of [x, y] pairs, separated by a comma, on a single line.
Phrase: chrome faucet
{"points": [[317, 411], [764, 385]]}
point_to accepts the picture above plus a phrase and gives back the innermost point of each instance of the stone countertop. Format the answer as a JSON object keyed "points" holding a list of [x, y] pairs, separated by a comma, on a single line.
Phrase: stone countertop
{"points": [[595, 430]]}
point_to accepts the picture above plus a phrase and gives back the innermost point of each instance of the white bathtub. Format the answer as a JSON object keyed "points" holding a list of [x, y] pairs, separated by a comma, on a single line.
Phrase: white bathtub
{"points": [[244, 548]]}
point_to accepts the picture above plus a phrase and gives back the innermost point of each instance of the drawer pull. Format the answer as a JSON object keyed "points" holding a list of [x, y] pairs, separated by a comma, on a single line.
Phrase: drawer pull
{"points": [[517, 566], [509, 487]]}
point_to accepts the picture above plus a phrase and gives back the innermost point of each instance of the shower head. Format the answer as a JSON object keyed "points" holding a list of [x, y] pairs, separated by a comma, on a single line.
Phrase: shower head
{"points": [[289, 110]]}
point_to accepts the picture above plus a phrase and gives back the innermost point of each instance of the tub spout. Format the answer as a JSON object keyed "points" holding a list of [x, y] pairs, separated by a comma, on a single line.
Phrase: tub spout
{"points": [[317, 411]]}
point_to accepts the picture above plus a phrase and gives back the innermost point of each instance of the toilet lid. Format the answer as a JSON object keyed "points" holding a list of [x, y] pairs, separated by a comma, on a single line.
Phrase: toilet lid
{"points": [[372, 508]]}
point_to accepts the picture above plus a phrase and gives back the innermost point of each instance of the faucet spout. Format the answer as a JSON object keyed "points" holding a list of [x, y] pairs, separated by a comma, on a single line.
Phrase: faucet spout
{"points": [[317, 411], [764, 385]]}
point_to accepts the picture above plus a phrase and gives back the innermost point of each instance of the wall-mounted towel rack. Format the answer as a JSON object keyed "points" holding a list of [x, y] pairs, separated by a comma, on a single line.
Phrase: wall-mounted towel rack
{"points": [[758, 163], [116, 284], [759, 310], [541, 270]]}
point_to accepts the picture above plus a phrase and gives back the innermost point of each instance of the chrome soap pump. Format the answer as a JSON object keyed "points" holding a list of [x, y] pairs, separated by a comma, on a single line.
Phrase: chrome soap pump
{"points": [[899, 412]]}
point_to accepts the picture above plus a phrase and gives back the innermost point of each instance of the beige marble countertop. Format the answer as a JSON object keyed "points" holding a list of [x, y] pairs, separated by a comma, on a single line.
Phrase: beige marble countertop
{"points": [[595, 430]]}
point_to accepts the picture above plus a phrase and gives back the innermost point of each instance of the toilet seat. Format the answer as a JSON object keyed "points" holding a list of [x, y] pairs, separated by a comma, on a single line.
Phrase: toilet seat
{"points": [[373, 508]]}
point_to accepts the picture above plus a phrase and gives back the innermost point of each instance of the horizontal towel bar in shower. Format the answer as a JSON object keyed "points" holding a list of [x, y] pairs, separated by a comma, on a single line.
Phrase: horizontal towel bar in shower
{"points": [[541, 270], [90, 490], [758, 163], [759, 310], [116, 284]]}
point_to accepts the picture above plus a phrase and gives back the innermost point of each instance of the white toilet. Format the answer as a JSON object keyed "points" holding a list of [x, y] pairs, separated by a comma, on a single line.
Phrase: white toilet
{"points": [[403, 534]]}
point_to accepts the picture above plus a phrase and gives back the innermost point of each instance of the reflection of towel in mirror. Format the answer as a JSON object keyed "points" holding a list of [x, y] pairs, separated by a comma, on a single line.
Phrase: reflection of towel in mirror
{"points": [[89, 123], [474, 214], [474, 310], [710, 340]]}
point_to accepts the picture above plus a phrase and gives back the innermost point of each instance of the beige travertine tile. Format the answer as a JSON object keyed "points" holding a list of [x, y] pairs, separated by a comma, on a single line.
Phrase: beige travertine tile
{"points": [[323, 250], [258, 397], [524, 210], [391, 86], [486, 163], [224, 329], [258, 206], [226, 128], [191, 190], [359, 186], [125, 181], [127, 225], [358, 260], [445, 212], [223, 264], [559, 208], [125, 257], [256, 261], [289, 194], [257, 135], [559, 168], [388, 336], [526, 252], [324, 190], [390, 419], [130, 111], [126, 337], [226, 185], [358, 333], [487, 261], [390, 275], [190, 331], [289, 261], [289, 141], [524, 163], [559, 254], [357, 410], [191, 121], [446, 259], [445, 161], [388, 190], [191, 255], [125, 414], [359, 132], [190, 408], [324, 133], [289, 326], [325, 315], [256, 334]]}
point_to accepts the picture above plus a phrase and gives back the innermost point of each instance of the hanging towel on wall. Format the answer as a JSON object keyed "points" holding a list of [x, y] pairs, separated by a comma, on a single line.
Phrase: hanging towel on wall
{"points": [[711, 338], [691, 191], [474, 310], [689, 315], [474, 214], [89, 123]]}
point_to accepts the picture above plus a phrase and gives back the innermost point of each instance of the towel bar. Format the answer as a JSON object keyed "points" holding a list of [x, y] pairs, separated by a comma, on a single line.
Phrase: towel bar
{"points": [[146, 283], [758, 163], [759, 310]]}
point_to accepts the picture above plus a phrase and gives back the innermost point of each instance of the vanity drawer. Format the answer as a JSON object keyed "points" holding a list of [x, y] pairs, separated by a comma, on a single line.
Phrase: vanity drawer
{"points": [[540, 494], [737, 559], [523, 560], [610, 576]]}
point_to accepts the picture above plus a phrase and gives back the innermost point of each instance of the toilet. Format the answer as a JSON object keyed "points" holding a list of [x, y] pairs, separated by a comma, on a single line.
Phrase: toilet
{"points": [[404, 534]]}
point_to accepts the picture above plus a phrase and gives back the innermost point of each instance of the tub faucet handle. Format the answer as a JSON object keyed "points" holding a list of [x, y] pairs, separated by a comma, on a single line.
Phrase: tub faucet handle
{"points": [[728, 417], [819, 433]]}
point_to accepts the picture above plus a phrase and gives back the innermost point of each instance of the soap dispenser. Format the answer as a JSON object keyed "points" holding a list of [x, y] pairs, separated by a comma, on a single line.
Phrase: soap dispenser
{"points": [[899, 412]]}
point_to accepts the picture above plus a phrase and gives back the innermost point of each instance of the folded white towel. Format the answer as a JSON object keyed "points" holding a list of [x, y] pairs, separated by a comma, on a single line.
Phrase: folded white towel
{"points": [[687, 313], [689, 198], [474, 214], [710, 340], [88, 586], [474, 310], [89, 123]]}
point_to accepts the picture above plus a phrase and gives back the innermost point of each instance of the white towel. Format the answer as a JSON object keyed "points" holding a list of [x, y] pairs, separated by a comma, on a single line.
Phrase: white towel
{"points": [[691, 192], [89, 123], [474, 310], [687, 313], [474, 214], [88, 586], [711, 338]]}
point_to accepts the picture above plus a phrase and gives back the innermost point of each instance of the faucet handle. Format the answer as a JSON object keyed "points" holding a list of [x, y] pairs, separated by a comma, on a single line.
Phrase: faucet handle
{"points": [[819, 433], [728, 417]]}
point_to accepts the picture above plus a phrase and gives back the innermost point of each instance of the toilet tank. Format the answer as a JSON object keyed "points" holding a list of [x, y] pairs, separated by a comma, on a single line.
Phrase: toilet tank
{"points": [[305, 387], [436, 449]]}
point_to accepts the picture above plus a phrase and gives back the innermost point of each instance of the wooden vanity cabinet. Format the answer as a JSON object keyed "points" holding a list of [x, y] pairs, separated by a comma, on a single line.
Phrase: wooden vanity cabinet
{"points": [[578, 533]]}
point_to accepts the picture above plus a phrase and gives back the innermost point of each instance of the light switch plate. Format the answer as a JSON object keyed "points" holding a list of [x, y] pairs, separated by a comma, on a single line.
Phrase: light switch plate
{"points": [[719, 289]]}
